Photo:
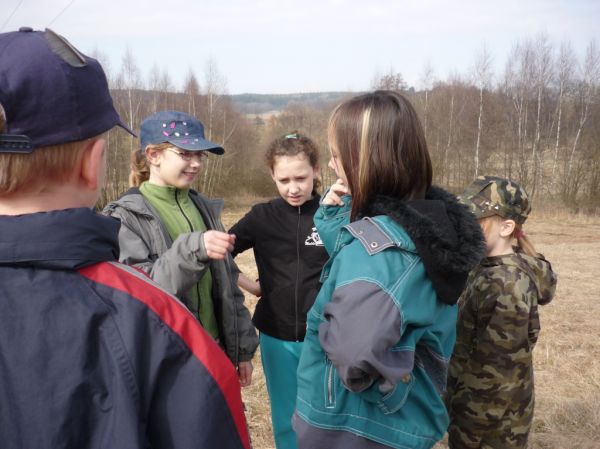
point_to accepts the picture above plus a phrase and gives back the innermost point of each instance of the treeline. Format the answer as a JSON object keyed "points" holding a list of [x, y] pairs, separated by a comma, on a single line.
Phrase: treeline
{"points": [[538, 122]]}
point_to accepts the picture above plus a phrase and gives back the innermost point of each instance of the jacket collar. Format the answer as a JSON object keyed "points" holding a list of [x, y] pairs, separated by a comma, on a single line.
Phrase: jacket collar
{"points": [[446, 235], [134, 201], [309, 207], [62, 239]]}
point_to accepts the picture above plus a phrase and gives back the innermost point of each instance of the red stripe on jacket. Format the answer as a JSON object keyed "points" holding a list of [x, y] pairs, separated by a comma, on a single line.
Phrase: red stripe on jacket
{"points": [[175, 315]]}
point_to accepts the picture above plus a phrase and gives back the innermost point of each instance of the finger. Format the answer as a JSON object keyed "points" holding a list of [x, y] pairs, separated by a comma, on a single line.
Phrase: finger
{"points": [[216, 251], [218, 241], [332, 198]]}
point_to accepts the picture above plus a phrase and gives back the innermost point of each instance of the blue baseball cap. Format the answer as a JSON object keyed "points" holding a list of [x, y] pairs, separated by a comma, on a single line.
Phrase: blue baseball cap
{"points": [[50, 92], [178, 128]]}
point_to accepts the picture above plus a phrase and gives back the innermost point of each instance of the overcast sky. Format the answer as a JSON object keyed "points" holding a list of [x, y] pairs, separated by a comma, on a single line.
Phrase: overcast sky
{"points": [[280, 46]]}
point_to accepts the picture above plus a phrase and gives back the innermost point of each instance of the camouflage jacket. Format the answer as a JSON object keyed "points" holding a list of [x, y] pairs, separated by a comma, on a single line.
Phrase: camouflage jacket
{"points": [[490, 385]]}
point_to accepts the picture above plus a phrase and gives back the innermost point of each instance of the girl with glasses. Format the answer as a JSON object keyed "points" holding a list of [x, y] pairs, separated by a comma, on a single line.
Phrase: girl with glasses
{"points": [[176, 236]]}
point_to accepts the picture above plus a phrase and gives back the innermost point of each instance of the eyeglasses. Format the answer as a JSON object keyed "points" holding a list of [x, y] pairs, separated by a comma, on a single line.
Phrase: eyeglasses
{"points": [[189, 155]]}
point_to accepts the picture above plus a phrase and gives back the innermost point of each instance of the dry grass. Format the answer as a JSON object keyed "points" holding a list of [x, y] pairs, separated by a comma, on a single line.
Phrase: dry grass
{"points": [[567, 356]]}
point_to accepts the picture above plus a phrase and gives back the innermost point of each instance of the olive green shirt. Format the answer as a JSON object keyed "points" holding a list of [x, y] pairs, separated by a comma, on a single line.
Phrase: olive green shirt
{"points": [[179, 215]]}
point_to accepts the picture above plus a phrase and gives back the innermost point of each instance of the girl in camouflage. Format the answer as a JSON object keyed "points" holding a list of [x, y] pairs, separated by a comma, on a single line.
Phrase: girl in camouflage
{"points": [[490, 393]]}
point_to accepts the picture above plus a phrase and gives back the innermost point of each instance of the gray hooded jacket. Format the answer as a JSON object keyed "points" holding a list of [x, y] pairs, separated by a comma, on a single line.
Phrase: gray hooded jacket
{"points": [[178, 265]]}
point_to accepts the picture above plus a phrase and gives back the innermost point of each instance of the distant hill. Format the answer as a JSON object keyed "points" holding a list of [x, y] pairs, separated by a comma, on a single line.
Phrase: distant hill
{"points": [[260, 103]]}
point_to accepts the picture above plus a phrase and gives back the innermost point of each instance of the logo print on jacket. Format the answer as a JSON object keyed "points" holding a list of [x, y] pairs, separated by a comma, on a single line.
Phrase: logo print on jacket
{"points": [[314, 239]]}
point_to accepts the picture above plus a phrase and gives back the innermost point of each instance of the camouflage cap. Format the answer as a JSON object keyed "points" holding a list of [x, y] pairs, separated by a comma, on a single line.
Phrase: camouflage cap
{"points": [[490, 195]]}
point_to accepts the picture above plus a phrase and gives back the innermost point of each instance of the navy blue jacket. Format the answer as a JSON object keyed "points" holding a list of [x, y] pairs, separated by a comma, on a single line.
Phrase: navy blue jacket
{"points": [[94, 355]]}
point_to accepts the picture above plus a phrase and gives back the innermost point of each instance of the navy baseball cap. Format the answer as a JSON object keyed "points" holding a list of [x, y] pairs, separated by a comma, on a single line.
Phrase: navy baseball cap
{"points": [[51, 93], [177, 128]]}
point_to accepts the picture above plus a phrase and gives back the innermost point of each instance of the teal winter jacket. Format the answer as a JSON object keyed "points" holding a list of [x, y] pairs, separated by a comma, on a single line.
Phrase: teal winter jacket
{"points": [[379, 336]]}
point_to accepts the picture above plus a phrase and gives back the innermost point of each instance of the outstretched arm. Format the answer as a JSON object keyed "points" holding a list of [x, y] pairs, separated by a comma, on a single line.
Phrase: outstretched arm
{"points": [[249, 285]]}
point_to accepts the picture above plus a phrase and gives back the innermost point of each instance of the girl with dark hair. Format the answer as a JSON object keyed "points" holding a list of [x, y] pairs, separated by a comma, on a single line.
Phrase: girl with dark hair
{"points": [[380, 334], [289, 257]]}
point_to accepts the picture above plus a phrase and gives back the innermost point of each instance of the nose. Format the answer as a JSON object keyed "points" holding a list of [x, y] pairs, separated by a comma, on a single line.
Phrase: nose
{"points": [[294, 188]]}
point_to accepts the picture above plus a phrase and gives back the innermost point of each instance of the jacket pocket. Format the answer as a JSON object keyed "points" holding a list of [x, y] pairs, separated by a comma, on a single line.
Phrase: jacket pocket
{"points": [[392, 401]]}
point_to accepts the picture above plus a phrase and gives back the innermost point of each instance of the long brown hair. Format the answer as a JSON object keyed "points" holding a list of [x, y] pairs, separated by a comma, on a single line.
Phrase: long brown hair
{"points": [[382, 147]]}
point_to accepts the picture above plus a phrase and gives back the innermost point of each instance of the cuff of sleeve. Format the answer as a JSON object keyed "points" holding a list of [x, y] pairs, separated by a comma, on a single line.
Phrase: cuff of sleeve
{"points": [[328, 212], [245, 357], [197, 239]]}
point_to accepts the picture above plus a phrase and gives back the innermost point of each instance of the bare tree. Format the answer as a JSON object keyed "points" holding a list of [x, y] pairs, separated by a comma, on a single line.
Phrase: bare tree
{"points": [[191, 88], [590, 75], [389, 81], [427, 80], [519, 80], [154, 86], [215, 88], [482, 74], [131, 85], [543, 74], [565, 63]]}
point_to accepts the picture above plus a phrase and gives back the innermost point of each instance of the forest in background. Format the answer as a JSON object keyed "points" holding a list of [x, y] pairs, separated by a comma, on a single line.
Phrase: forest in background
{"points": [[536, 121]]}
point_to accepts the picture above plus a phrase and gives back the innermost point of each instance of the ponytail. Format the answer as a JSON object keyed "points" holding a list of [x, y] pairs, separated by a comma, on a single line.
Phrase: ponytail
{"points": [[140, 170], [523, 242]]}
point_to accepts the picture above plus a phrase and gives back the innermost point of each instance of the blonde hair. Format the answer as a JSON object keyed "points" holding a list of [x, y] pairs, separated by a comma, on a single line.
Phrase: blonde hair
{"points": [[522, 241], [31, 172], [140, 170]]}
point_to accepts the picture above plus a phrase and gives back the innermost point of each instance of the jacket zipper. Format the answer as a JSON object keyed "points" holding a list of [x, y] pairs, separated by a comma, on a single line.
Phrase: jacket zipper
{"points": [[329, 380], [297, 273], [217, 290], [191, 230]]}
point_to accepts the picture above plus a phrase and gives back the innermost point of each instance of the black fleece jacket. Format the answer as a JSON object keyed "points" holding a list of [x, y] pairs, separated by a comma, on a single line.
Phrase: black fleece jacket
{"points": [[289, 256]]}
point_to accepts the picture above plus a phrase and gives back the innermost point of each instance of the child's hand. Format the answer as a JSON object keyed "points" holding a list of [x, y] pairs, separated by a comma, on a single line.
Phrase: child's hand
{"points": [[335, 193], [218, 244], [245, 373]]}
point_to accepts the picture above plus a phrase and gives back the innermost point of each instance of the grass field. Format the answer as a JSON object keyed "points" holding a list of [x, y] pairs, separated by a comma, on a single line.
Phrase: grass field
{"points": [[567, 355]]}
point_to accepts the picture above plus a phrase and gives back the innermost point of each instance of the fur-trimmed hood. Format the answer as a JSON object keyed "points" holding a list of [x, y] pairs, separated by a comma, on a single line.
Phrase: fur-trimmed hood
{"points": [[447, 236]]}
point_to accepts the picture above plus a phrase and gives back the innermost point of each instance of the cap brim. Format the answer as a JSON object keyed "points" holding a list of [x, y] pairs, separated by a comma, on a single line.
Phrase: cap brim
{"points": [[126, 128], [196, 144]]}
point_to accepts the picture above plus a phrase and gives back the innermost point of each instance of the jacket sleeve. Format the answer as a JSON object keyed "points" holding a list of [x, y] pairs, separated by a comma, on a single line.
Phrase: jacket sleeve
{"points": [[362, 325], [244, 235], [177, 270], [330, 219]]}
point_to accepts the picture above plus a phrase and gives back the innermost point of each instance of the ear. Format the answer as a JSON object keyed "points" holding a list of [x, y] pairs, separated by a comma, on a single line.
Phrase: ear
{"points": [[507, 228], [273, 176], [93, 164], [153, 156]]}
